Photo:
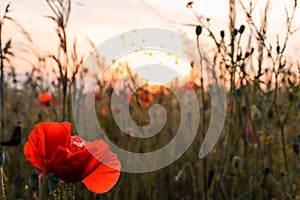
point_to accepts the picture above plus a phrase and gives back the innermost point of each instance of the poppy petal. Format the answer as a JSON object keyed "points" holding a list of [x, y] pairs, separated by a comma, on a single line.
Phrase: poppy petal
{"points": [[107, 174], [44, 140], [70, 166], [45, 97]]}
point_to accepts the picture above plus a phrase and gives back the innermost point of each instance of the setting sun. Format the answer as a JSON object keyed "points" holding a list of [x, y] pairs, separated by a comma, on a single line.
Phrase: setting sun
{"points": [[154, 67]]}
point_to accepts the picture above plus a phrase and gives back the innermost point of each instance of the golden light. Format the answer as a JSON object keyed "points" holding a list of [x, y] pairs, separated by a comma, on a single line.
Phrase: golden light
{"points": [[152, 67]]}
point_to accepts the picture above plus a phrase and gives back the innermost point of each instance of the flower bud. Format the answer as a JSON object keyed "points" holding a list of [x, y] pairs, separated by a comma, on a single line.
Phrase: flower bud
{"points": [[242, 29], [278, 49], [296, 149], [53, 183], [33, 181], [189, 4], [222, 33], [267, 171], [18, 186], [236, 161], [2, 158], [235, 32], [198, 30], [171, 130]]}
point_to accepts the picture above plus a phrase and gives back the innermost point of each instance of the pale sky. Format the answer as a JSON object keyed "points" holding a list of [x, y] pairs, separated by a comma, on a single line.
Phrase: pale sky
{"points": [[101, 19]]}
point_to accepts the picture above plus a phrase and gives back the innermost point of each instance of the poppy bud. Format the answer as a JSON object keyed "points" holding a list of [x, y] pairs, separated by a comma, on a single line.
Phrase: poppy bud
{"points": [[278, 49], [247, 54], [107, 129], [298, 171], [53, 183], [18, 186], [2, 158], [211, 175], [198, 30], [267, 171], [33, 181], [222, 33], [235, 32], [236, 162], [282, 174], [242, 29], [291, 95], [270, 114], [189, 4], [296, 149], [237, 92], [192, 63], [170, 130]]}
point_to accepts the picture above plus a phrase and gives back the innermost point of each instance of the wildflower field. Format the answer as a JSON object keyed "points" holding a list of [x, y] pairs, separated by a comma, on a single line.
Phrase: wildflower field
{"points": [[45, 156]]}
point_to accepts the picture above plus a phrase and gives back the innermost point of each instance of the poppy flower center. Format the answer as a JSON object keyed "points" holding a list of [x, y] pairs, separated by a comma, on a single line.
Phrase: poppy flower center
{"points": [[76, 143]]}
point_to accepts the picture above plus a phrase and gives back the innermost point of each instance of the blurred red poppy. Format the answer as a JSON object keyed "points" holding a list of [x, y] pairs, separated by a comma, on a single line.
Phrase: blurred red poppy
{"points": [[45, 98], [145, 97], [190, 85], [250, 137], [104, 112], [8, 106], [51, 148], [97, 97]]}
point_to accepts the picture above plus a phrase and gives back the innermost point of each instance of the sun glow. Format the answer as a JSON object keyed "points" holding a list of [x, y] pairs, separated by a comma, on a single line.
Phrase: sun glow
{"points": [[151, 67]]}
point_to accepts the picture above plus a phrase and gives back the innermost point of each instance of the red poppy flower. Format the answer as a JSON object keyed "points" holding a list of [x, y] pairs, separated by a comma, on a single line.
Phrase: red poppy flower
{"points": [[8, 106], [190, 85], [104, 112], [45, 98], [51, 148], [97, 97], [250, 137], [146, 98]]}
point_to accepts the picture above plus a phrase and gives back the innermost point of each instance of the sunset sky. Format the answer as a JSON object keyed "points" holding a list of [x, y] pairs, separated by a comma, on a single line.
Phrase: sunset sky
{"points": [[99, 20]]}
